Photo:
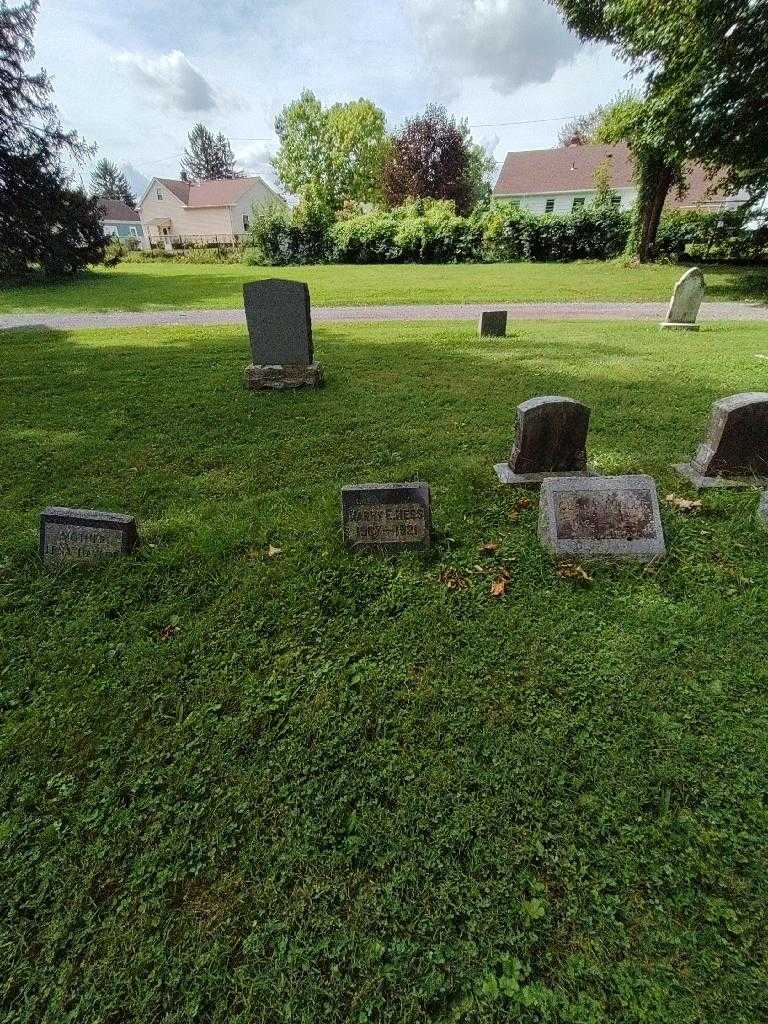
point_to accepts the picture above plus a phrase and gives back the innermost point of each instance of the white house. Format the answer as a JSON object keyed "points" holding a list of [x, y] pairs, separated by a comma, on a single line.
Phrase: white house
{"points": [[562, 180], [206, 211]]}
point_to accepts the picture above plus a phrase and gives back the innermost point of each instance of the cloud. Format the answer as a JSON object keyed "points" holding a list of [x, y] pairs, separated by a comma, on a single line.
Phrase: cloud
{"points": [[173, 79], [512, 43]]}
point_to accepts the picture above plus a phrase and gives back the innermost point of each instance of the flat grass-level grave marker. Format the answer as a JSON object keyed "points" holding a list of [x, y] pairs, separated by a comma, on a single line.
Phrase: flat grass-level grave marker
{"points": [[601, 517], [70, 535], [280, 330], [735, 453], [493, 324], [686, 301], [378, 517], [551, 440]]}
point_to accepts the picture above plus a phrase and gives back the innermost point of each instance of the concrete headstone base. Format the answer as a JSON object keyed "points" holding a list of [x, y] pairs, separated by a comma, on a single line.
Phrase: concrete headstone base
{"points": [[505, 474], [666, 326], [280, 378], [706, 483]]}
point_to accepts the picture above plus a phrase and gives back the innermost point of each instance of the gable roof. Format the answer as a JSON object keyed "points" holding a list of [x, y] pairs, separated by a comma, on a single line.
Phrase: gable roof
{"points": [[217, 192], [572, 169], [116, 209]]}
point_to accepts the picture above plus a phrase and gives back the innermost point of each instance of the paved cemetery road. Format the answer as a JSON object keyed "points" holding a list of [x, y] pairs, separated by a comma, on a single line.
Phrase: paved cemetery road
{"points": [[648, 311]]}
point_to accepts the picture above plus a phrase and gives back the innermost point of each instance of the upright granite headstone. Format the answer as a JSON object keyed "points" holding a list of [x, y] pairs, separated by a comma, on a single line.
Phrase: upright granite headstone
{"points": [[551, 440], [280, 330], [762, 510], [385, 516], [735, 453], [493, 323], [686, 300], [601, 516], [84, 534]]}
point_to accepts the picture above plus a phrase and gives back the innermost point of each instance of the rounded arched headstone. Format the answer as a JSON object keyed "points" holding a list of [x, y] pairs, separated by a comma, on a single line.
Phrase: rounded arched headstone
{"points": [[686, 302], [735, 452], [551, 440]]}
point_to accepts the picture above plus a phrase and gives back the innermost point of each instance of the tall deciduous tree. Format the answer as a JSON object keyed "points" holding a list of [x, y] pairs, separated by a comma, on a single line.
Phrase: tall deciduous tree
{"points": [[208, 156], [433, 157], [109, 182], [705, 64], [331, 156], [44, 222]]}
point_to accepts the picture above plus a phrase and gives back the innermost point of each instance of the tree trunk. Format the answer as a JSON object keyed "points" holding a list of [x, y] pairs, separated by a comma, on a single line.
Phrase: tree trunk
{"points": [[656, 179]]}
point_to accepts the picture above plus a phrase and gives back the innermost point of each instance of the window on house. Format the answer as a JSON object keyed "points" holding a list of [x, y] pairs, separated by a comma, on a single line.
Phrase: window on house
{"points": [[110, 229], [616, 201], [134, 232], [578, 203], [549, 206], [515, 204], [246, 222], [160, 194]]}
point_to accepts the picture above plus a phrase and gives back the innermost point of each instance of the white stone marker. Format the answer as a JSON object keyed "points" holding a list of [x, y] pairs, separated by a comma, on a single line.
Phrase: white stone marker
{"points": [[686, 301]]}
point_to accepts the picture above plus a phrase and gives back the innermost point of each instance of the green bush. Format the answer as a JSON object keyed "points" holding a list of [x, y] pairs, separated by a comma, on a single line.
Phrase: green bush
{"points": [[722, 236], [279, 236]]}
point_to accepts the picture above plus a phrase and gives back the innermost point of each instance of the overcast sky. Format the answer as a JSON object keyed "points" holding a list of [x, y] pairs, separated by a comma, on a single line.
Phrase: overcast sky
{"points": [[133, 76]]}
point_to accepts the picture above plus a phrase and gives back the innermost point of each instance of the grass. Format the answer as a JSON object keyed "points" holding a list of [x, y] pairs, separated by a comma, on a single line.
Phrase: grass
{"points": [[324, 787], [149, 286]]}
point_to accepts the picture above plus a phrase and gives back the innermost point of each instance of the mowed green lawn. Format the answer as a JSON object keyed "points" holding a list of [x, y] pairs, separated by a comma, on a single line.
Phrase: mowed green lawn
{"points": [[148, 286], [307, 786]]}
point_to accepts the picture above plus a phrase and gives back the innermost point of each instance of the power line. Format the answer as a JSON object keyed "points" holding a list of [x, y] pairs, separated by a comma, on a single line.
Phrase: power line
{"points": [[538, 120]]}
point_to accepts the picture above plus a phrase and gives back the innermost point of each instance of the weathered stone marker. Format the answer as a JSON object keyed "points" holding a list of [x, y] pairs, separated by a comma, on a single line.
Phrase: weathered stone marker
{"points": [[601, 516], [280, 330], [686, 300], [735, 453], [762, 510], [382, 516], [84, 534], [551, 440], [493, 323]]}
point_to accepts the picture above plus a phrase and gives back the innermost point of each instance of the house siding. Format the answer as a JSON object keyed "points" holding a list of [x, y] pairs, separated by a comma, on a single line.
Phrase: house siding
{"points": [[205, 222], [123, 229]]}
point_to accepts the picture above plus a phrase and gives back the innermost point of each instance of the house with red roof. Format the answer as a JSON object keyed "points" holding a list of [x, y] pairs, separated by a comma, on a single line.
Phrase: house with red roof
{"points": [[202, 212], [563, 180]]}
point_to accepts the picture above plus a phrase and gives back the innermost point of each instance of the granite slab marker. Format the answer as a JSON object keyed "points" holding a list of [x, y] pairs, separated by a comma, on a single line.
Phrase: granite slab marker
{"points": [[493, 324], [70, 535], [735, 452], [280, 330], [378, 517], [601, 517], [762, 510], [686, 302], [551, 440]]}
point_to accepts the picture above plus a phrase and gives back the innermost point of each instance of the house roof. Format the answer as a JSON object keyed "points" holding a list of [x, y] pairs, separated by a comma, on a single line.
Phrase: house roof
{"points": [[218, 192], [572, 169], [116, 209]]}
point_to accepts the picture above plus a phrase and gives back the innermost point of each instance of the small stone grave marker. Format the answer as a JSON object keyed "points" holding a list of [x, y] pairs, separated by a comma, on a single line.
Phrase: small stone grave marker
{"points": [[735, 453], [686, 301], [762, 510], [599, 517], [493, 323], [386, 516], [70, 535], [280, 331], [551, 440]]}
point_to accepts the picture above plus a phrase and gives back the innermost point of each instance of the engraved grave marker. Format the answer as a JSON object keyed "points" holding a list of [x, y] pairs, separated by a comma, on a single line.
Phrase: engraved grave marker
{"points": [[69, 535], [390, 515]]}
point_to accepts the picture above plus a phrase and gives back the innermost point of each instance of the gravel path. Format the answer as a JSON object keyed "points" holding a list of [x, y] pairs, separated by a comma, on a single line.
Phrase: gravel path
{"points": [[651, 311]]}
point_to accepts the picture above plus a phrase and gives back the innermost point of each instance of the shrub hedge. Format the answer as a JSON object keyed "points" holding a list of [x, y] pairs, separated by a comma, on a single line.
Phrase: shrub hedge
{"points": [[430, 231]]}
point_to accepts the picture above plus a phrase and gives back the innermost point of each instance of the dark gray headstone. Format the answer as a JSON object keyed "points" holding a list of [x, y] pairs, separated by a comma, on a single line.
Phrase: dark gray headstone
{"points": [[279, 322], [686, 301], [382, 516], [551, 440], [598, 517], [84, 534], [493, 323], [735, 453]]}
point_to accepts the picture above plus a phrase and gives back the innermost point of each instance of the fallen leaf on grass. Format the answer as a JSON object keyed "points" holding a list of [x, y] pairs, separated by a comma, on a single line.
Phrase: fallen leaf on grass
{"points": [[572, 571], [273, 552], [499, 585], [489, 549], [523, 503], [169, 632], [683, 504], [453, 580]]}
